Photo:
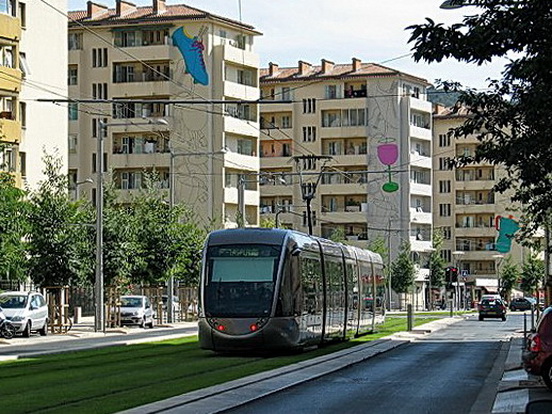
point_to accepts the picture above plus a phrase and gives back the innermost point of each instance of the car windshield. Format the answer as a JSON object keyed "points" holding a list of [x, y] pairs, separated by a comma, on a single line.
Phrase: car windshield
{"points": [[13, 301], [131, 302], [491, 302]]}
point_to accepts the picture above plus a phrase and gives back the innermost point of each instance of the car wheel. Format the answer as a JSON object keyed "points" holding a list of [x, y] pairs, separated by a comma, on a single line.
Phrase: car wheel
{"points": [[547, 373], [27, 330], [44, 330], [151, 323]]}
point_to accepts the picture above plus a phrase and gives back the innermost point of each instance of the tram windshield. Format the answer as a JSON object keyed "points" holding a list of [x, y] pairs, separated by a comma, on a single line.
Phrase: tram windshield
{"points": [[240, 280]]}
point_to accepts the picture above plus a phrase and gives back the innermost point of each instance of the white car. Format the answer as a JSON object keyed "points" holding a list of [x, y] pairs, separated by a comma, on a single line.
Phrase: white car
{"points": [[27, 311], [137, 310]]}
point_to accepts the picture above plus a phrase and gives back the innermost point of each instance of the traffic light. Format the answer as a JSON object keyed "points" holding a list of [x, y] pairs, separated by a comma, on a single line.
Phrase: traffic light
{"points": [[451, 276]]}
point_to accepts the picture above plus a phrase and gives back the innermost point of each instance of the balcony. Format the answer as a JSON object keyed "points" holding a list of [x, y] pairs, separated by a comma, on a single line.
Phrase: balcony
{"points": [[10, 79], [239, 91], [241, 127], [10, 27], [10, 130], [238, 56]]}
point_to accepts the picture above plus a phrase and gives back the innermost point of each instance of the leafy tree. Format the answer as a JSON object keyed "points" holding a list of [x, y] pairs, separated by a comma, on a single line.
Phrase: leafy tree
{"points": [[338, 235], [402, 270], [532, 273], [268, 223], [509, 277], [13, 228], [436, 261], [57, 231], [511, 119]]}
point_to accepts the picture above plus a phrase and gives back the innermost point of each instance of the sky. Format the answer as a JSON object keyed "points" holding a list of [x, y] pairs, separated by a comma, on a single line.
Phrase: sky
{"points": [[371, 30]]}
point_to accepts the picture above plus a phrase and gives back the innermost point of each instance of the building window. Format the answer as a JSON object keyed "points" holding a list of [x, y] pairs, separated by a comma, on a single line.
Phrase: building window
{"points": [[444, 140], [23, 64], [444, 186], [309, 134], [73, 109], [75, 41], [444, 210], [447, 233], [99, 57], [23, 114], [73, 75], [445, 164], [8, 7], [286, 121], [23, 14], [99, 90], [73, 143], [309, 106], [332, 92], [286, 93], [23, 163], [446, 255]]}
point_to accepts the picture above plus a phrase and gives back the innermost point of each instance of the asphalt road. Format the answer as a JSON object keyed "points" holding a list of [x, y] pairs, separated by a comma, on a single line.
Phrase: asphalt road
{"points": [[446, 371]]}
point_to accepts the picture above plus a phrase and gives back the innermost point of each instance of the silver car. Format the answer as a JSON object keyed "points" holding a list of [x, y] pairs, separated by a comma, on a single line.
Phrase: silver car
{"points": [[27, 311], [137, 310]]}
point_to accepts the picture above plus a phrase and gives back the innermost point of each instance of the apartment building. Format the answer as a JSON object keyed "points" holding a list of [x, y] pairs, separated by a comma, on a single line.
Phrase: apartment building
{"points": [[33, 39], [372, 127], [185, 66], [466, 207]]}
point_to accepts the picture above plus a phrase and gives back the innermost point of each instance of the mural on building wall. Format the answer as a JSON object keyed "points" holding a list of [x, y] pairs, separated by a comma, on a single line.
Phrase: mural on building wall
{"points": [[191, 48], [388, 153], [507, 228]]}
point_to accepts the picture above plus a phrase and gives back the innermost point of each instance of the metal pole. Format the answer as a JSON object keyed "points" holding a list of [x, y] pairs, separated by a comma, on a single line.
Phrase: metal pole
{"points": [[309, 215], [170, 286], [241, 200], [99, 319], [409, 317]]}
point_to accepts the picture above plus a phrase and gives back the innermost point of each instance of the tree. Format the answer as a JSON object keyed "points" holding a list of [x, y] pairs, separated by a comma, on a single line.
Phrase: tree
{"points": [[59, 230], [511, 120], [509, 277], [13, 228], [402, 270], [532, 273], [338, 235], [436, 261]]}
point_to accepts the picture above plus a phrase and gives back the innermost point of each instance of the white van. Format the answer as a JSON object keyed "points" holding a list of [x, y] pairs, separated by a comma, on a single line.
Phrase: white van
{"points": [[27, 311]]}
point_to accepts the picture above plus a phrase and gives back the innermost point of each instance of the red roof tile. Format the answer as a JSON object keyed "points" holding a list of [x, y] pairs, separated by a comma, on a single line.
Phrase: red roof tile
{"points": [[145, 14], [339, 70]]}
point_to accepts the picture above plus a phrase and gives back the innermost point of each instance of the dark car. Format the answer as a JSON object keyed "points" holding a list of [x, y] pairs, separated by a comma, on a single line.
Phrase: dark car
{"points": [[492, 308], [537, 357], [522, 304]]}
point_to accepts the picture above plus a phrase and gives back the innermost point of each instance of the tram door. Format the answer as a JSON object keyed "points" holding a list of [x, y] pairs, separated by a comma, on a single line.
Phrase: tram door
{"points": [[335, 297], [351, 270], [313, 297], [367, 299]]}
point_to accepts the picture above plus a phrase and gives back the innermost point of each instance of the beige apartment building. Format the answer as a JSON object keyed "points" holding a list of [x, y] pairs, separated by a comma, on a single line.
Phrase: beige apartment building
{"points": [[370, 128], [32, 49], [186, 67], [465, 208]]}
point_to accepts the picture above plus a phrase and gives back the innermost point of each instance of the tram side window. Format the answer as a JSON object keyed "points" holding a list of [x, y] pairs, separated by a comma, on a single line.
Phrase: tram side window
{"points": [[311, 278], [366, 287], [287, 304]]}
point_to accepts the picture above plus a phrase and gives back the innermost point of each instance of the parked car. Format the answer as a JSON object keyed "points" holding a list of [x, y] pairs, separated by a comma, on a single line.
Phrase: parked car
{"points": [[175, 303], [522, 304], [27, 311], [492, 308], [537, 357], [137, 310]]}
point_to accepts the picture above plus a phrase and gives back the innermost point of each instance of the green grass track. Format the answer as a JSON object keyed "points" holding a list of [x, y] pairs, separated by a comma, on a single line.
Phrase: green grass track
{"points": [[111, 379]]}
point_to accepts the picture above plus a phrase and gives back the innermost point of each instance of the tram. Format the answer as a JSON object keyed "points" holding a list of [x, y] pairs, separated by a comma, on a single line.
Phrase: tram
{"points": [[274, 289]]}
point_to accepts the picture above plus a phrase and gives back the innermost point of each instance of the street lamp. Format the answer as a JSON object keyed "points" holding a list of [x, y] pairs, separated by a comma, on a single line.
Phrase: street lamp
{"points": [[99, 313], [172, 194], [457, 254], [430, 250]]}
